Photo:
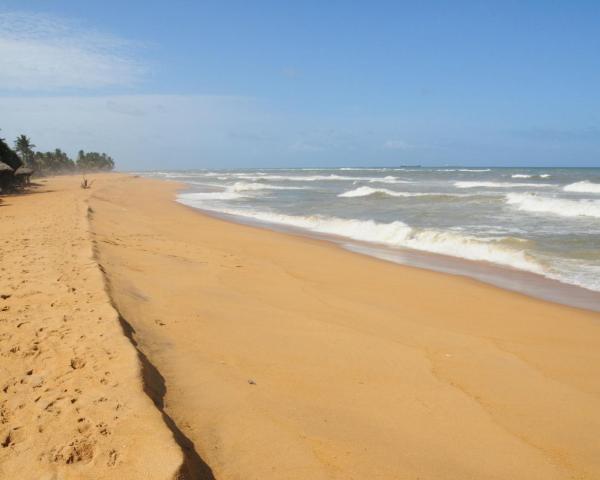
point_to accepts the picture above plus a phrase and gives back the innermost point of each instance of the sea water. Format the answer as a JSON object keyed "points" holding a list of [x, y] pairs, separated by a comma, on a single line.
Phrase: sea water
{"points": [[543, 221]]}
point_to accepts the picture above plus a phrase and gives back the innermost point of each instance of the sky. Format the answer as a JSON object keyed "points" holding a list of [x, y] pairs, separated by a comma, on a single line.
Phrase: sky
{"points": [[209, 84]]}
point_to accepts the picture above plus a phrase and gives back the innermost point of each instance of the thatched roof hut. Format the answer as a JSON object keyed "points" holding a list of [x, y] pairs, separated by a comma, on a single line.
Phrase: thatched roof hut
{"points": [[23, 175], [23, 171], [6, 176], [5, 169]]}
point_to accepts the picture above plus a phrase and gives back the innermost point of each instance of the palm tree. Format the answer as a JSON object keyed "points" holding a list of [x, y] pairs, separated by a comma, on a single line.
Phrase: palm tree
{"points": [[24, 148]]}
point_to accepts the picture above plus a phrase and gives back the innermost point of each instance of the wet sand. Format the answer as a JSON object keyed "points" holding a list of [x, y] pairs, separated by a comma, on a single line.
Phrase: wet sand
{"points": [[286, 357]]}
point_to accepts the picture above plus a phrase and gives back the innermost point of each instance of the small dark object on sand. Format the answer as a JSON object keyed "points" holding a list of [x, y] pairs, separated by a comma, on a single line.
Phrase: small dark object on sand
{"points": [[85, 184], [251, 382]]}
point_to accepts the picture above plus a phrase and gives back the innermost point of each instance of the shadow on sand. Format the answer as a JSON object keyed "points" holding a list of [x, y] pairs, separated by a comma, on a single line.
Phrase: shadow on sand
{"points": [[154, 386]]}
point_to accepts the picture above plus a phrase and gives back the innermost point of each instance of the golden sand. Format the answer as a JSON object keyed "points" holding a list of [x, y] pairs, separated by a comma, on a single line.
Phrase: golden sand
{"points": [[72, 404], [280, 357]]}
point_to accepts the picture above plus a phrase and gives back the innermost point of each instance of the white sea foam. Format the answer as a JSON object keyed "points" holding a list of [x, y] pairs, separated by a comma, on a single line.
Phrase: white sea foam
{"points": [[395, 234], [499, 185], [194, 197], [583, 187], [464, 170], [387, 179], [299, 178], [320, 178], [367, 169], [525, 175], [528, 202], [234, 192], [253, 186], [366, 191]]}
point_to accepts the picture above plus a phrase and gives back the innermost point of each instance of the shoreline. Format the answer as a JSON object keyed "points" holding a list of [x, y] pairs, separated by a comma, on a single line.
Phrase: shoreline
{"points": [[289, 357], [530, 284]]}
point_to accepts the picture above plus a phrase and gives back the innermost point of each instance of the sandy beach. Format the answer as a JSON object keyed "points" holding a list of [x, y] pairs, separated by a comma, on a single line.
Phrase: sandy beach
{"points": [[72, 403], [143, 339]]}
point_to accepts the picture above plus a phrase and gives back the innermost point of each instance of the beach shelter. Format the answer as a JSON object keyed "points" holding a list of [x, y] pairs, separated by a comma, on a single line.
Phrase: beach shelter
{"points": [[6, 175], [23, 175]]}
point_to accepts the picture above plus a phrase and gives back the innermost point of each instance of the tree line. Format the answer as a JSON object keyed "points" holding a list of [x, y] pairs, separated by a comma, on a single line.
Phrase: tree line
{"points": [[49, 163]]}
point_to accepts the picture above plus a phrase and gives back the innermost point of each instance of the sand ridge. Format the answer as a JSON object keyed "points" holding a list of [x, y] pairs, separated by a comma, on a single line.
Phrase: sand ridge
{"points": [[290, 358], [72, 404]]}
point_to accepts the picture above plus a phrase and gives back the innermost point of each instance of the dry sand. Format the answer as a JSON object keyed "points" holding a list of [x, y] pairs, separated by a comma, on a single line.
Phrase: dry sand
{"points": [[72, 404], [275, 356]]}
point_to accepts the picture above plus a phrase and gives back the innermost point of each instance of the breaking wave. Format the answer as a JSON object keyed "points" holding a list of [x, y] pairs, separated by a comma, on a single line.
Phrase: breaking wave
{"points": [[583, 187], [252, 186], [388, 179], [499, 184], [195, 196], [464, 170], [397, 234], [368, 191], [565, 208]]}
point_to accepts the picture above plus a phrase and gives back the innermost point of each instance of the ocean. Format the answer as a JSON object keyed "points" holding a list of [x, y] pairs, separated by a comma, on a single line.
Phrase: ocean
{"points": [[508, 226]]}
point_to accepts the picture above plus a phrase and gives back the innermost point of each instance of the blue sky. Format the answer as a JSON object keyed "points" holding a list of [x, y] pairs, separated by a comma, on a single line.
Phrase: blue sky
{"points": [[184, 84]]}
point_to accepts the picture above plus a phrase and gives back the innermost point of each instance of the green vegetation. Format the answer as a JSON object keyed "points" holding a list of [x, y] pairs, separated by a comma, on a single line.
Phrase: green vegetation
{"points": [[46, 163], [16, 166], [24, 149], [9, 156], [92, 161]]}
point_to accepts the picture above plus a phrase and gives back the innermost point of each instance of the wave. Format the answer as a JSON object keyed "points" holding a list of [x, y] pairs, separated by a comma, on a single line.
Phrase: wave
{"points": [[524, 175], [233, 192], [398, 234], [464, 170], [388, 179], [300, 178], [583, 187], [528, 202], [499, 184], [367, 169], [223, 195], [252, 186], [368, 191]]}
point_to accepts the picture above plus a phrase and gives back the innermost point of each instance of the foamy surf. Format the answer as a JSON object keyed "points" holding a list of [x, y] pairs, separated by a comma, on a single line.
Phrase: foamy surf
{"points": [[369, 191], [501, 185], [387, 179], [253, 186], [583, 187], [224, 195], [474, 170], [454, 211], [556, 206], [395, 234]]}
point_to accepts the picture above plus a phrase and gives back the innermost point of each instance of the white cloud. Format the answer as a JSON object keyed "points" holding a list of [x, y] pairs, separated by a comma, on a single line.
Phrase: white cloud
{"points": [[40, 52]]}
